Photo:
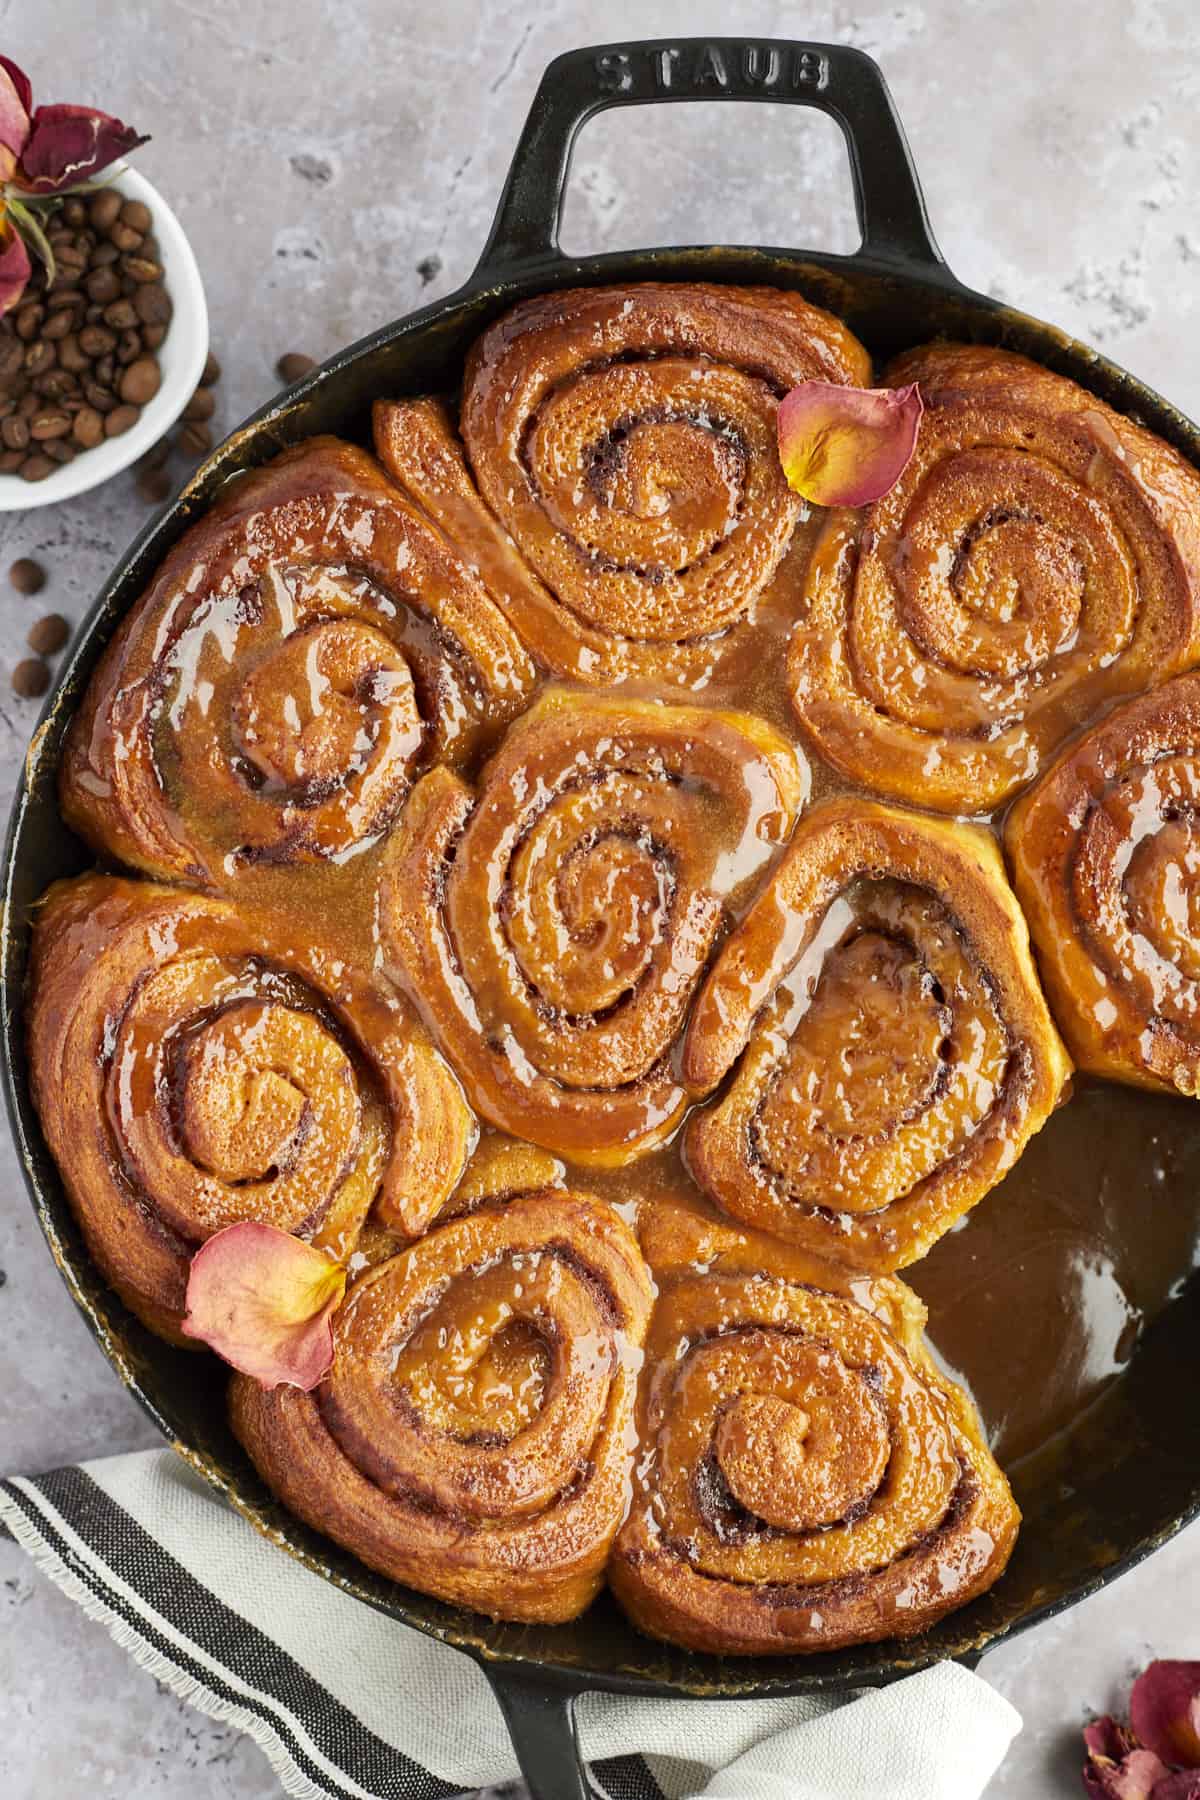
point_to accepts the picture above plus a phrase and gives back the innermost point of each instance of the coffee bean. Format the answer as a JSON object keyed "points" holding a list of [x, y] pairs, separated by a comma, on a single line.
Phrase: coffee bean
{"points": [[27, 320], [129, 348], [39, 356], [153, 485], [153, 335], [70, 356], [140, 381], [97, 340], [70, 301], [10, 354], [102, 398], [105, 370], [37, 467], [74, 211], [88, 427], [125, 237], [141, 268], [55, 384], [201, 405], [31, 678], [103, 285], [14, 432], [49, 634], [10, 461], [121, 315], [57, 325], [136, 214], [120, 419], [153, 303], [60, 449], [27, 576], [212, 370], [195, 439], [7, 405], [104, 255], [28, 404], [51, 422], [293, 365], [105, 209]]}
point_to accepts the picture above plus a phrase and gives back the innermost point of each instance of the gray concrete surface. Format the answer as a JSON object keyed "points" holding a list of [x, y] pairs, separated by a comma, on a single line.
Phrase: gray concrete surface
{"points": [[336, 162]]}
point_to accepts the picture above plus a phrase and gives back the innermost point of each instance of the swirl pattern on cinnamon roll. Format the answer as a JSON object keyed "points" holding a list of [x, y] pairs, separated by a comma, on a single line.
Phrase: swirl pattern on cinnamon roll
{"points": [[624, 438], [806, 1479], [1105, 853], [896, 1053], [472, 1437], [193, 1066], [1039, 557], [553, 925], [302, 651]]}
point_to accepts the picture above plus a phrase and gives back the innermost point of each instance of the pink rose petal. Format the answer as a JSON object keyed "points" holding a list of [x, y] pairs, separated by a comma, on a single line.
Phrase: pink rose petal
{"points": [[71, 144], [15, 100], [844, 446], [1134, 1777], [265, 1301], [1164, 1710], [14, 270], [1183, 1784]]}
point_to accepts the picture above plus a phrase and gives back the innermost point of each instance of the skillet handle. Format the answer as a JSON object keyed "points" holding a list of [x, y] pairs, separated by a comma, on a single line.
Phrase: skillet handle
{"points": [[540, 1716], [834, 78]]}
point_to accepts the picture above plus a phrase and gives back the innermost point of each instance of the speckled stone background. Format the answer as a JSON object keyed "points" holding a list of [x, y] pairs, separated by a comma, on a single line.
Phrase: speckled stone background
{"points": [[336, 162]]}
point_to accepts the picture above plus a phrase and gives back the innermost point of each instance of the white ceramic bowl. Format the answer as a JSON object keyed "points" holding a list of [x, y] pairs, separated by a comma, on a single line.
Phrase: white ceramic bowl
{"points": [[181, 359]]}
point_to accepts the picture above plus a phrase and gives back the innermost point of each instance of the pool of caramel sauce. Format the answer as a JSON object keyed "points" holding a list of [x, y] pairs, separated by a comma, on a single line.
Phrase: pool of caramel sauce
{"points": [[1038, 1298]]}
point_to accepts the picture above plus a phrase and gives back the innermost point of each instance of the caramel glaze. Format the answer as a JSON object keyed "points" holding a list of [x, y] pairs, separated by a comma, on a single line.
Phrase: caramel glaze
{"points": [[1038, 1297]]}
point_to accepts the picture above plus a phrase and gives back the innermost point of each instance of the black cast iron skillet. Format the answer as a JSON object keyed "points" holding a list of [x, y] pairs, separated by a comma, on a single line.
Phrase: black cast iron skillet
{"points": [[1129, 1476]]}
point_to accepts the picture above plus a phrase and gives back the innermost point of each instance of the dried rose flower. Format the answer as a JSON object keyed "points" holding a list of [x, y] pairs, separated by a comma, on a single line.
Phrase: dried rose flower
{"points": [[1164, 1710], [1157, 1756], [45, 152], [265, 1301], [845, 446]]}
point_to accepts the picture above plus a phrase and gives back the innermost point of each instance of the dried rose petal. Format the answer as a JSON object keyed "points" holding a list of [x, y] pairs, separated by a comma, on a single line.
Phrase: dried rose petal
{"points": [[265, 1302], [1136, 1776], [71, 144], [15, 269], [844, 446], [1183, 1784], [1164, 1710], [16, 98]]}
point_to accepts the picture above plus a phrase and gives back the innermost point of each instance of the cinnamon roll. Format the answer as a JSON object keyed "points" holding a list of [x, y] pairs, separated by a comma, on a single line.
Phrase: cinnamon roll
{"points": [[472, 1437], [631, 505], [553, 923], [806, 1479], [893, 1050], [193, 1066], [303, 651], [1039, 558], [1105, 852]]}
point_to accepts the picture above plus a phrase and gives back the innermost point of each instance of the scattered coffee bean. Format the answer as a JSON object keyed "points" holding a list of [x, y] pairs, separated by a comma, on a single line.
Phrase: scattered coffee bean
{"points": [[195, 439], [293, 365], [120, 419], [27, 576], [202, 405], [49, 634], [140, 381], [212, 368], [153, 485], [30, 678]]}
